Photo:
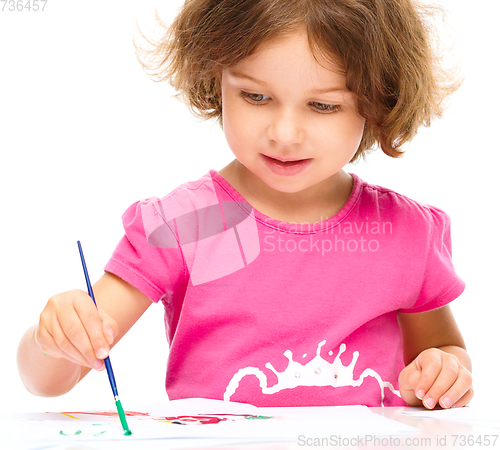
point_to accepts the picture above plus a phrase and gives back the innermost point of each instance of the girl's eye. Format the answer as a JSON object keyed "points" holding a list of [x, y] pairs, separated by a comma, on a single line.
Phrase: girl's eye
{"points": [[324, 108], [257, 99], [254, 98]]}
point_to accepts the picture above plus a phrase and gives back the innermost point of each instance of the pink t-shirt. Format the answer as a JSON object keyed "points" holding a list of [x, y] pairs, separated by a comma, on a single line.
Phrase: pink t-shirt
{"points": [[282, 314]]}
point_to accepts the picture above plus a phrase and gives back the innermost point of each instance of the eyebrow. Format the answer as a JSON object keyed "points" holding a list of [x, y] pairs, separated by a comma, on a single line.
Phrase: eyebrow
{"points": [[244, 76]]}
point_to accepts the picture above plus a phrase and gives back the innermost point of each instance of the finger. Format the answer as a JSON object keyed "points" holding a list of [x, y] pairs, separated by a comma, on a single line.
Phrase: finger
{"points": [[465, 399], [44, 340], [70, 351], [90, 317], [109, 327], [412, 375], [58, 326], [49, 345], [407, 380], [447, 377], [75, 336], [461, 386], [430, 368], [78, 360], [44, 337], [408, 377]]}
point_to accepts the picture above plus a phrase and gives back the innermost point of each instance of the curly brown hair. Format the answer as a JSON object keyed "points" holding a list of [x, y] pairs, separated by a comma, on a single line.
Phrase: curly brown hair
{"points": [[387, 49]]}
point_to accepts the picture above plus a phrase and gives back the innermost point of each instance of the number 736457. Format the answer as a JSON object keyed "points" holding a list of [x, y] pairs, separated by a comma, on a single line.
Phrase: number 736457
{"points": [[23, 5]]}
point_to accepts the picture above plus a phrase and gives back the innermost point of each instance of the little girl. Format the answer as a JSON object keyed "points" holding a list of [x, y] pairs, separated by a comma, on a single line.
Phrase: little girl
{"points": [[286, 281]]}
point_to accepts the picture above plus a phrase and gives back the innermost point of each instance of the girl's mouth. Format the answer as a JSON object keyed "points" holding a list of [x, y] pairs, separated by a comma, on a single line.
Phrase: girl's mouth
{"points": [[286, 168]]}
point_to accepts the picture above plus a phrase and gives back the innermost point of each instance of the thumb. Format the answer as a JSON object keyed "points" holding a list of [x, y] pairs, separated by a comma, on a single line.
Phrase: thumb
{"points": [[417, 363], [410, 375], [109, 326]]}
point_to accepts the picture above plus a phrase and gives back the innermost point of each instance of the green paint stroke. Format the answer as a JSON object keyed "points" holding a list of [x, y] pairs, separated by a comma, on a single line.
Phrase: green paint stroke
{"points": [[100, 432], [76, 432], [123, 420], [258, 417]]}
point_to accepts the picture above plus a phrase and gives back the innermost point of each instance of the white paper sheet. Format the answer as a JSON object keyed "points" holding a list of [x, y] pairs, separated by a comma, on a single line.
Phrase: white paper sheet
{"points": [[42, 430]]}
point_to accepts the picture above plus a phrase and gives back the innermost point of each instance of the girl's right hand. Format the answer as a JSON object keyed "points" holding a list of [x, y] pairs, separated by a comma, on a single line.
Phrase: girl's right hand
{"points": [[71, 327]]}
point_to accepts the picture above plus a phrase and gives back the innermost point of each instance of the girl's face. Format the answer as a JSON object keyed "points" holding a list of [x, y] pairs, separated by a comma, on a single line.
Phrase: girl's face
{"points": [[279, 105]]}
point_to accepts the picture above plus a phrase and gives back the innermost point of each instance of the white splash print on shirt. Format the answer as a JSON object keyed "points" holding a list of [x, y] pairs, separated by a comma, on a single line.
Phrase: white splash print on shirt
{"points": [[317, 372]]}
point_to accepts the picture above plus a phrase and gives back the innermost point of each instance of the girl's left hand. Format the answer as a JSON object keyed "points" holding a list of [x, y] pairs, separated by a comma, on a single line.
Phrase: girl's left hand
{"points": [[435, 376]]}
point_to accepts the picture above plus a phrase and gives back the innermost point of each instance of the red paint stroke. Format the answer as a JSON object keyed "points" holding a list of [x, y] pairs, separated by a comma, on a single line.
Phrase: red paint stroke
{"points": [[195, 420], [178, 420], [111, 413], [213, 418]]}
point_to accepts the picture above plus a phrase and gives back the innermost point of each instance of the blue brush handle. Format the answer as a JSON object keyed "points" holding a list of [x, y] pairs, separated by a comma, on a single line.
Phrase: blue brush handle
{"points": [[107, 362], [111, 377]]}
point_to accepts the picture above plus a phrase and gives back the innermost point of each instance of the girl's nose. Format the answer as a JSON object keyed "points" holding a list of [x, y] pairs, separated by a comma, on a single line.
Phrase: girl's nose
{"points": [[286, 127]]}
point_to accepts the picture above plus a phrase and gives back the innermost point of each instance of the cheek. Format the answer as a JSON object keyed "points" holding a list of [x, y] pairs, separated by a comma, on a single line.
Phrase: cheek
{"points": [[231, 125], [351, 131], [344, 134], [229, 119], [238, 124], [357, 129]]}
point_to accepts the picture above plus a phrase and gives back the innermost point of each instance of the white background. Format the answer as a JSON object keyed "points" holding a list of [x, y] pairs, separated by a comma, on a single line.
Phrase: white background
{"points": [[84, 133]]}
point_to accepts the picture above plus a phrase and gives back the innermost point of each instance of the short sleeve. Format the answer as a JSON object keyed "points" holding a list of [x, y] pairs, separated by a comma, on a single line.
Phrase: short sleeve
{"points": [[142, 260], [440, 283]]}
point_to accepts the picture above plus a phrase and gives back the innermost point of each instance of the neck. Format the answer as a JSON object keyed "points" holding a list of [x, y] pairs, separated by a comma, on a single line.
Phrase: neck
{"points": [[314, 204]]}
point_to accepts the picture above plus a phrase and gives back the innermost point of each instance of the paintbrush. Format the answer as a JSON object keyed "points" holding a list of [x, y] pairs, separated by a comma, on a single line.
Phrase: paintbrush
{"points": [[107, 362]]}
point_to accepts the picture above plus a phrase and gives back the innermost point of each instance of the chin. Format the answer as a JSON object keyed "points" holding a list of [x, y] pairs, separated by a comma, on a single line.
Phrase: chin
{"points": [[288, 186]]}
